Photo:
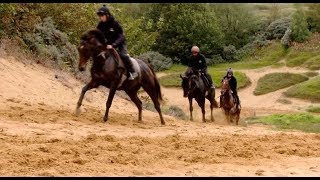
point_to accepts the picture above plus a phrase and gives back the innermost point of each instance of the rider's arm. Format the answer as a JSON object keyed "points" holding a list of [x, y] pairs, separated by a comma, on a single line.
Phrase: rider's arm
{"points": [[204, 63], [120, 38]]}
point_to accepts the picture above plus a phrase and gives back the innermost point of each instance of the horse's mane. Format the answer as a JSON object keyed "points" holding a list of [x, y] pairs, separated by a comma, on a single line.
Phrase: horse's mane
{"points": [[96, 33]]}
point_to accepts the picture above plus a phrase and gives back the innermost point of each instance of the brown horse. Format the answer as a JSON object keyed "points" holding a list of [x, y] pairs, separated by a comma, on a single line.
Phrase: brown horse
{"points": [[227, 103], [108, 70], [194, 87]]}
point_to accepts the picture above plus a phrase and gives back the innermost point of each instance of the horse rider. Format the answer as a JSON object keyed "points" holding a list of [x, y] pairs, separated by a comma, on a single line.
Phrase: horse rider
{"points": [[115, 37], [197, 61], [233, 85]]}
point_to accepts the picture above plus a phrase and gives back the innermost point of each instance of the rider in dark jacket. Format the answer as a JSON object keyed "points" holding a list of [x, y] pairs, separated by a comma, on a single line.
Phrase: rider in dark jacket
{"points": [[233, 84], [197, 61], [115, 37]]}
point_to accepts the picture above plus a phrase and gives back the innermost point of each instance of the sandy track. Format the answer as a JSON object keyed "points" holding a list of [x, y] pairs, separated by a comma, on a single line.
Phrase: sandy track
{"points": [[40, 135]]}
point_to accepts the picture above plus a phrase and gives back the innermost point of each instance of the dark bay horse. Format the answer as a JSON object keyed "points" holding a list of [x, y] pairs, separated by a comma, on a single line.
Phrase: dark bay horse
{"points": [[228, 104], [108, 70], [194, 87]]}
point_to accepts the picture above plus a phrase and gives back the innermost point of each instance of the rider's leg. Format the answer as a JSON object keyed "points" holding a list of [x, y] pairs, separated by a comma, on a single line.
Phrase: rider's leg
{"points": [[128, 63], [208, 76]]}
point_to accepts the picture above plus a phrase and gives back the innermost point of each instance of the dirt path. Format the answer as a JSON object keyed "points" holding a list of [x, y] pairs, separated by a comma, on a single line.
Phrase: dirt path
{"points": [[40, 135]]}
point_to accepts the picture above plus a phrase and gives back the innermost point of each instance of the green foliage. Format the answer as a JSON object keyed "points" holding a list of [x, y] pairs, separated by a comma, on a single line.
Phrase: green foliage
{"points": [[182, 25], [157, 60], [313, 17], [49, 42], [286, 39], [229, 53], [309, 90], [275, 81], [300, 121], [265, 56], [277, 28], [238, 23], [299, 26]]}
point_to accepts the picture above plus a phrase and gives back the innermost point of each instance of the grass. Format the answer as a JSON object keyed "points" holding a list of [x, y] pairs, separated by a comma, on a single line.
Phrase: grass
{"points": [[313, 63], [314, 109], [174, 80], [284, 101], [311, 74], [309, 90], [300, 121], [265, 56], [174, 111], [296, 58], [275, 81]]}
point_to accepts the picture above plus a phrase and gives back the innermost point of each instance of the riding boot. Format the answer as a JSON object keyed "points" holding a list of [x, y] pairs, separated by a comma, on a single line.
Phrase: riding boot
{"points": [[128, 63]]}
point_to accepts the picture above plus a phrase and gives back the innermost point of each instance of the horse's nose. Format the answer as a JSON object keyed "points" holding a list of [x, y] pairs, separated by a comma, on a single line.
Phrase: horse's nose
{"points": [[81, 68]]}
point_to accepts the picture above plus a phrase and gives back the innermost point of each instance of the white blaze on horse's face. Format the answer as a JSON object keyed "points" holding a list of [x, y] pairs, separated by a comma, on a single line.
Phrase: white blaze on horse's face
{"points": [[81, 47]]}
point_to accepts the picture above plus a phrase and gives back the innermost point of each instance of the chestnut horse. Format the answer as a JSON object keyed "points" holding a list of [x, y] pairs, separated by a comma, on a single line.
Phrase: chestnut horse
{"points": [[227, 103], [108, 70]]}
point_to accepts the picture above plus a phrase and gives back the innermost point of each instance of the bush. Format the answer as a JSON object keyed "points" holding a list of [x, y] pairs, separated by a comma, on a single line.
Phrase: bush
{"points": [[299, 26], [48, 41], [286, 39], [229, 53], [277, 28], [216, 59], [156, 60]]}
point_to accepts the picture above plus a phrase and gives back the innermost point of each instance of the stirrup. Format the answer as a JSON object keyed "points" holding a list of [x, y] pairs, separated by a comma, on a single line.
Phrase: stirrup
{"points": [[132, 76]]}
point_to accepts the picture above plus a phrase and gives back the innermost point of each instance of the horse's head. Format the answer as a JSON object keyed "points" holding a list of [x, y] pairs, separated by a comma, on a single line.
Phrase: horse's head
{"points": [[185, 85], [91, 43], [225, 86]]}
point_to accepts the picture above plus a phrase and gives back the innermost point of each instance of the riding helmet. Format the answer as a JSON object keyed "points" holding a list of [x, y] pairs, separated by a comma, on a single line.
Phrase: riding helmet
{"points": [[230, 71], [103, 10]]}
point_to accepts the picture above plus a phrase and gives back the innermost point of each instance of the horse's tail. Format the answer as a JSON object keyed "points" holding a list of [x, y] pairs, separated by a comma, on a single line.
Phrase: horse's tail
{"points": [[157, 84]]}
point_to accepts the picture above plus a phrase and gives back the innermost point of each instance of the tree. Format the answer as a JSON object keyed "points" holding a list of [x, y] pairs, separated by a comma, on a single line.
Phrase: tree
{"points": [[181, 26], [237, 21], [299, 26], [313, 17]]}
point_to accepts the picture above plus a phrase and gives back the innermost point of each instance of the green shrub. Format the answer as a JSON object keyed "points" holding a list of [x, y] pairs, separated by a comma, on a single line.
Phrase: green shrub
{"points": [[277, 28], [285, 40], [157, 60], [49, 42], [229, 53], [299, 26], [313, 63]]}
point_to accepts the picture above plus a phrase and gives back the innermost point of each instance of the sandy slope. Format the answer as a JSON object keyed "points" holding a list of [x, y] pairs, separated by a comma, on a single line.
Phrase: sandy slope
{"points": [[39, 135]]}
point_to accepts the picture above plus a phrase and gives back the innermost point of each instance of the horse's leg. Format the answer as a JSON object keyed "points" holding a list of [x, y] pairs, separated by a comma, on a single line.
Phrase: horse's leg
{"points": [[227, 116], [92, 84], [155, 100], [112, 92], [134, 97], [211, 109], [203, 110], [238, 117], [190, 109]]}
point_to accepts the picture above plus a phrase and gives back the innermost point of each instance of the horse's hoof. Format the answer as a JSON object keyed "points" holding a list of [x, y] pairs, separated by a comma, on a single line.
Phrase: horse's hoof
{"points": [[105, 119], [163, 123], [77, 112]]}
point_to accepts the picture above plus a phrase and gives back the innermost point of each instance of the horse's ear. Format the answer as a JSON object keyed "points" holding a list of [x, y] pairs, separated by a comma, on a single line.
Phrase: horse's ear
{"points": [[181, 76]]}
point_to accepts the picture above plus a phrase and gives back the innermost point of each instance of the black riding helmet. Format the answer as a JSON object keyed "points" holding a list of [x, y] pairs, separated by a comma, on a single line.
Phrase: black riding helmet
{"points": [[103, 10]]}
